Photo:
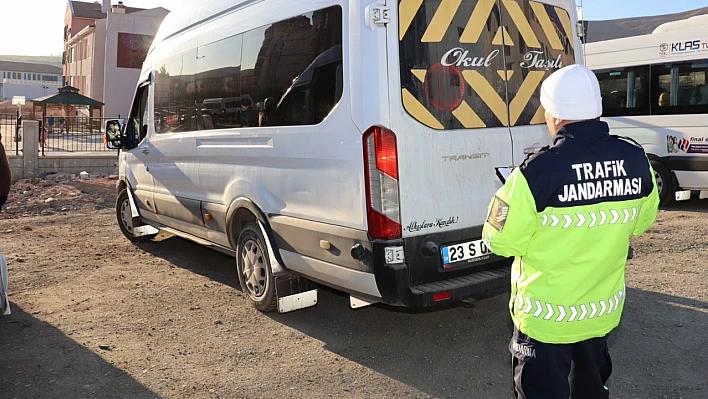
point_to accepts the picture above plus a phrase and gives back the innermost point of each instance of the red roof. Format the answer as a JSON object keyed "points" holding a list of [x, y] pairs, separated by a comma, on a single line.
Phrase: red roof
{"points": [[93, 10]]}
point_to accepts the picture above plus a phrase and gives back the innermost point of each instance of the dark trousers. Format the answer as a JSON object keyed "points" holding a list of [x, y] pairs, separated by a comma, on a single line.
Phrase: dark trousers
{"points": [[553, 371]]}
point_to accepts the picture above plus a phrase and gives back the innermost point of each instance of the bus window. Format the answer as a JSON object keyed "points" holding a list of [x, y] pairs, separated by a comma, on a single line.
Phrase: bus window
{"points": [[625, 91], [680, 88]]}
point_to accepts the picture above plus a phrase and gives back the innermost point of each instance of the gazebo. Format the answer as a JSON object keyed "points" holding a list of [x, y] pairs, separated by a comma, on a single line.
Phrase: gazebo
{"points": [[67, 97]]}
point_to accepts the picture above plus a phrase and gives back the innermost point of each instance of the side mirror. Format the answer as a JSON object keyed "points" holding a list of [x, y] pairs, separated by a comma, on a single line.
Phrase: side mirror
{"points": [[113, 137]]}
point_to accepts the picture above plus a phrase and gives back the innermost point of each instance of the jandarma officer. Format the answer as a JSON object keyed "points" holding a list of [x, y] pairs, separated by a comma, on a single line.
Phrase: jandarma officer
{"points": [[566, 215]]}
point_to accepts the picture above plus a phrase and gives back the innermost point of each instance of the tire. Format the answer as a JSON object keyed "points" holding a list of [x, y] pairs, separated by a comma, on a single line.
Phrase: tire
{"points": [[253, 268], [664, 182], [125, 220]]}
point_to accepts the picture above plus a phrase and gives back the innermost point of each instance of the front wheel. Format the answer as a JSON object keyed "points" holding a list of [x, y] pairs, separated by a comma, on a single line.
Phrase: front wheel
{"points": [[253, 267], [664, 182], [126, 221]]}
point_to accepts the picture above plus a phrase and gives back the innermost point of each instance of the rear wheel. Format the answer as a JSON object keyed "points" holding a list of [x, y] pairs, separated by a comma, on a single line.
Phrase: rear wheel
{"points": [[664, 182], [126, 221], [254, 272]]}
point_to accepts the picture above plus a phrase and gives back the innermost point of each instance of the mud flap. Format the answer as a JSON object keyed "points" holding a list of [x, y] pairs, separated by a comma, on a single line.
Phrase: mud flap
{"points": [[356, 302], [683, 195], [139, 231], [295, 293]]}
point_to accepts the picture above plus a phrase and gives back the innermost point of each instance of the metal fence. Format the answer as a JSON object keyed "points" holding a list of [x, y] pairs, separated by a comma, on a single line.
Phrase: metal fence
{"points": [[11, 135], [72, 134]]}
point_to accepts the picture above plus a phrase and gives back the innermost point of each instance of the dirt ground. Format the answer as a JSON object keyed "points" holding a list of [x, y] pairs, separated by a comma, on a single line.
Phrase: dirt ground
{"points": [[95, 316]]}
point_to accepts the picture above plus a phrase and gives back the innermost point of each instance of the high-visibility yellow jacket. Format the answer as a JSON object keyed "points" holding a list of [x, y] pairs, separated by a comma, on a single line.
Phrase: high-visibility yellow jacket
{"points": [[567, 215]]}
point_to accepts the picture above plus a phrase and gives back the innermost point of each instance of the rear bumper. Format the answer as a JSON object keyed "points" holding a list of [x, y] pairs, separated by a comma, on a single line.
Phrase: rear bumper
{"points": [[421, 281]]}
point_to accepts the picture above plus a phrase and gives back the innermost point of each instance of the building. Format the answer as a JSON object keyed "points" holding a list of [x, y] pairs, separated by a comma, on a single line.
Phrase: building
{"points": [[104, 49], [28, 79]]}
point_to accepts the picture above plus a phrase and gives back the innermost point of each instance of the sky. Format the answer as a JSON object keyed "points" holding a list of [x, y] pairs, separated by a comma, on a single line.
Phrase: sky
{"points": [[612, 9], [38, 24], [42, 24]]}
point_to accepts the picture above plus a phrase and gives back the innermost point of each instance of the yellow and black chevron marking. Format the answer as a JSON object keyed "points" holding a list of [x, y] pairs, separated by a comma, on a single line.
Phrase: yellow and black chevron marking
{"points": [[505, 50]]}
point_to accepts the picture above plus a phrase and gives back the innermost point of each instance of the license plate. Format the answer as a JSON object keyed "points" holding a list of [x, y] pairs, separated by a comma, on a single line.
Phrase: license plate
{"points": [[473, 251]]}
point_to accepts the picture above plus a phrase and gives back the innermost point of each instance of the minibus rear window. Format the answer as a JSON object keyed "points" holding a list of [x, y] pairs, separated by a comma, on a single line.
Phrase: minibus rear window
{"points": [[459, 60]]}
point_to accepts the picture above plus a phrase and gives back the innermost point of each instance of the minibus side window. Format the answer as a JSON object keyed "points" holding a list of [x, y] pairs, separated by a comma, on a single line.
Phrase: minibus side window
{"points": [[218, 84], [625, 91], [680, 88], [283, 74], [136, 129], [144, 113], [293, 109], [175, 107]]}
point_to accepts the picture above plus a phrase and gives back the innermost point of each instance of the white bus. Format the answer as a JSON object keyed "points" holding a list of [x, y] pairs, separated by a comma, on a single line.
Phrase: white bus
{"points": [[372, 163], [654, 91]]}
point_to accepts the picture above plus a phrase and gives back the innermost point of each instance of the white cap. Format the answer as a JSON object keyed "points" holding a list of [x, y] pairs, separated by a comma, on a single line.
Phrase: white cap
{"points": [[572, 94]]}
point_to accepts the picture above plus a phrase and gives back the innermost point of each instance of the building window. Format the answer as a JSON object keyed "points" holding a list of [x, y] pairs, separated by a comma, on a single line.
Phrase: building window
{"points": [[132, 49]]}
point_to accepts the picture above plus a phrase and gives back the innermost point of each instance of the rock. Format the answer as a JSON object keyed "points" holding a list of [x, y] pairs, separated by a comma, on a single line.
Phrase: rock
{"points": [[48, 200], [113, 177], [104, 347], [84, 175], [47, 183], [218, 322]]}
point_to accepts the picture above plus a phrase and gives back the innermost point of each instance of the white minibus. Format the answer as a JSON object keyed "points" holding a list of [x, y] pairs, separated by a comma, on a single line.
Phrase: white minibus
{"points": [[369, 168], [654, 91]]}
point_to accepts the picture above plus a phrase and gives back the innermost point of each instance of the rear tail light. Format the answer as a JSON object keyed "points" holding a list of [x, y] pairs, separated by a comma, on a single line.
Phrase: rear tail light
{"points": [[382, 196]]}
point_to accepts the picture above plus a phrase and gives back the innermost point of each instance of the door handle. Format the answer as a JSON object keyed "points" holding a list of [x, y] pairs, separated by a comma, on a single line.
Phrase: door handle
{"points": [[146, 150]]}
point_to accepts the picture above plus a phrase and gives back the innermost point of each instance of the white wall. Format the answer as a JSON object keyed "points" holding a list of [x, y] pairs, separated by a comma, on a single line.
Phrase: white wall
{"points": [[30, 91], [119, 85]]}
